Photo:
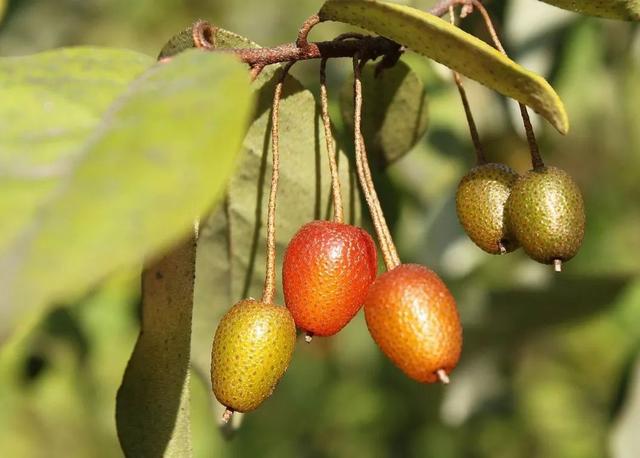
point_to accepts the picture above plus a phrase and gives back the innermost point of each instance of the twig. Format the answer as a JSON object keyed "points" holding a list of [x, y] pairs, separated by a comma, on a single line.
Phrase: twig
{"points": [[347, 45]]}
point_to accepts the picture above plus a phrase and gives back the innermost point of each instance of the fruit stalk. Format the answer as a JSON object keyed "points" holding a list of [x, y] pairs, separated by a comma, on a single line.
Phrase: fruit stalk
{"points": [[338, 211], [473, 130], [536, 158], [389, 252], [270, 276]]}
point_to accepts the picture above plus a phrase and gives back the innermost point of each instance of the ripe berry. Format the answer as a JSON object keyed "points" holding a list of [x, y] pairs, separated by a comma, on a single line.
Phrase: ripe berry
{"points": [[480, 204], [413, 318], [327, 270], [251, 351], [546, 214]]}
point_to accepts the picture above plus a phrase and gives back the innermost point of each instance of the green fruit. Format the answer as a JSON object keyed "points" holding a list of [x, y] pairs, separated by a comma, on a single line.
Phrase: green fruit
{"points": [[480, 201], [546, 214], [251, 351]]}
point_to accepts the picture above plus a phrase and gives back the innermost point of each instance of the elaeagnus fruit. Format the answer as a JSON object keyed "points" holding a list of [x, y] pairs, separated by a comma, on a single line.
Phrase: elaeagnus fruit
{"points": [[546, 214], [480, 204]]}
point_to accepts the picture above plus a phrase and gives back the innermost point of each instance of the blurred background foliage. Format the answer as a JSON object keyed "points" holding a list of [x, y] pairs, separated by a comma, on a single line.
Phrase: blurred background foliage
{"points": [[550, 365]]}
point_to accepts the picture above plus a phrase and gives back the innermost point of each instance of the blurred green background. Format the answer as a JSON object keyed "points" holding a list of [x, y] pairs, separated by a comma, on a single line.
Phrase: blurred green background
{"points": [[550, 366]]}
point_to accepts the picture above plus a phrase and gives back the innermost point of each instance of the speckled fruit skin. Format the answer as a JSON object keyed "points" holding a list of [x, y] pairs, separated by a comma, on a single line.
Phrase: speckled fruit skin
{"points": [[480, 203], [413, 318], [251, 351], [546, 214], [326, 273]]}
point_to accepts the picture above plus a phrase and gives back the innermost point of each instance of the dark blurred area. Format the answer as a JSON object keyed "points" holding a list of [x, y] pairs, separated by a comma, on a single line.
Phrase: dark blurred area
{"points": [[550, 365]]}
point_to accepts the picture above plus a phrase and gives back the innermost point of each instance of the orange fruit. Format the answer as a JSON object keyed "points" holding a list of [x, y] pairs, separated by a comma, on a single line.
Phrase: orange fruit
{"points": [[326, 273], [413, 318]]}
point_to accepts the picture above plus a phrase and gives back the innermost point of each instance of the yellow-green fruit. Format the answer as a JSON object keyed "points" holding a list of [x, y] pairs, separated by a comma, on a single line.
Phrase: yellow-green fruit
{"points": [[251, 351], [480, 200], [546, 214]]}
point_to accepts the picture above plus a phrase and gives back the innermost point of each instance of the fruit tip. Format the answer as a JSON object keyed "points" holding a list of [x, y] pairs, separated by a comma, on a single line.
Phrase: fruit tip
{"points": [[502, 248], [226, 416], [557, 265], [308, 337], [443, 377]]}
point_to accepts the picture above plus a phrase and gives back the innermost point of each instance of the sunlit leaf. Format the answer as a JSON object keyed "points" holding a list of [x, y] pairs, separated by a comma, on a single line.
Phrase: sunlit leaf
{"points": [[51, 102], [160, 157], [628, 10], [439, 40], [395, 111]]}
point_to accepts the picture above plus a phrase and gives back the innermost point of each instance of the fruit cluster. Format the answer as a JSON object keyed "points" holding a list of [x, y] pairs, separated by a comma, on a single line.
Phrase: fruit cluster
{"points": [[542, 211], [330, 268], [329, 273]]}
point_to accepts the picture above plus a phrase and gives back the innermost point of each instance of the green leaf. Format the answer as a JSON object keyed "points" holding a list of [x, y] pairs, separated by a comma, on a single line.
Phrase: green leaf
{"points": [[458, 50], [627, 10], [51, 102], [231, 248], [160, 157], [153, 413], [395, 111]]}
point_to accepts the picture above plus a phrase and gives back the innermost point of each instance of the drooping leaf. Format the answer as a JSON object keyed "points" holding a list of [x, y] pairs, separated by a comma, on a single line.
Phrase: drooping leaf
{"points": [[153, 413], [439, 40], [160, 157], [231, 250], [394, 111], [51, 102], [627, 10]]}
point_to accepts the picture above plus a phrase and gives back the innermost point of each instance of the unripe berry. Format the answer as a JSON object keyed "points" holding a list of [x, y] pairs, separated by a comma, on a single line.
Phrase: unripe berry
{"points": [[480, 203], [251, 351], [546, 213]]}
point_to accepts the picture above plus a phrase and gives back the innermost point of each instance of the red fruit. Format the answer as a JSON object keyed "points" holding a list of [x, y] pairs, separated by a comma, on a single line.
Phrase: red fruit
{"points": [[327, 270], [413, 318]]}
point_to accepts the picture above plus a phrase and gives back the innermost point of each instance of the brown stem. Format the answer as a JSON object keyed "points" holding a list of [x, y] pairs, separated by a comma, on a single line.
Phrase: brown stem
{"points": [[473, 130], [389, 252], [303, 33], [536, 158], [270, 275], [338, 211], [365, 46]]}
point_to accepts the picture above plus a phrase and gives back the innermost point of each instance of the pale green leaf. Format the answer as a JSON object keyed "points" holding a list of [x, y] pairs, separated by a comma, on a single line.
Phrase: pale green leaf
{"points": [[394, 111], [51, 102], [439, 40], [160, 157], [628, 10], [153, 411]]}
